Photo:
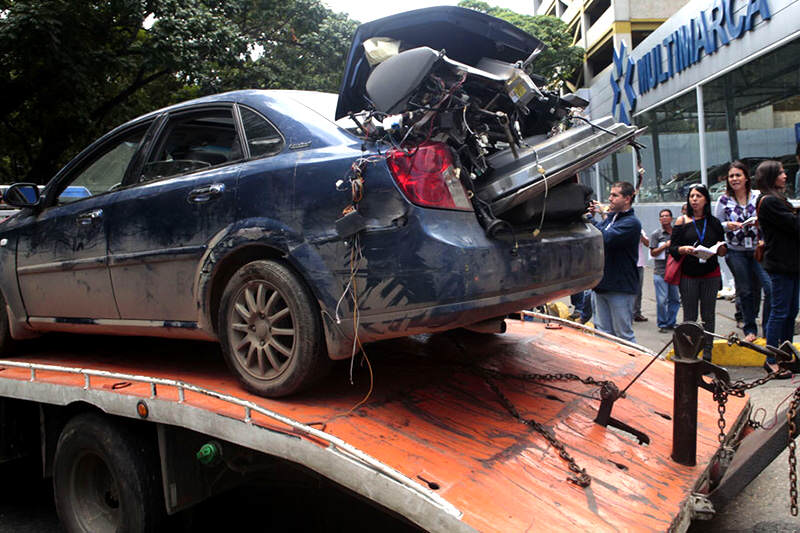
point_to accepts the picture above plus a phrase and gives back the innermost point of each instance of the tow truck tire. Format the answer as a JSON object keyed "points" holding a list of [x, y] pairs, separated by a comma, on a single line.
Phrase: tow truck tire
{"points": [[270, 330], [106, 478]]}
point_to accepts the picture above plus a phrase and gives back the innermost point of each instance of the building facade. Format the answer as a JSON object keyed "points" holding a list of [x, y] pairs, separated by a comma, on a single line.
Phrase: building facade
{"points": [[718, 81], [599, 26]]}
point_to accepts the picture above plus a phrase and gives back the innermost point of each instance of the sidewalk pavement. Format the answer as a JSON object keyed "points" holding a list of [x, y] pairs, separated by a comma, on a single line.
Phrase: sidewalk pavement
{"points": [[647, 332]]}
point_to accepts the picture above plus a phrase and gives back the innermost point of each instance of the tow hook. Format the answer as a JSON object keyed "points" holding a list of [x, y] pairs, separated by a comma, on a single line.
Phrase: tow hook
{"points": [[701, 507], [609, 393]]}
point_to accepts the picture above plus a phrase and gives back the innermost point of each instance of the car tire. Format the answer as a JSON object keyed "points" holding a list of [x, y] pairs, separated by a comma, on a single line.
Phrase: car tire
{"points": [[106, 478], [270, 330], [7, 344]]}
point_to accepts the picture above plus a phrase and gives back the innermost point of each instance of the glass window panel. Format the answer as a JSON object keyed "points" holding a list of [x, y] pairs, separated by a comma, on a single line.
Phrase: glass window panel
{"points": [[616, 167], [262, 137], [672, 152], [192, 142], [752, 112], [106, 170]]}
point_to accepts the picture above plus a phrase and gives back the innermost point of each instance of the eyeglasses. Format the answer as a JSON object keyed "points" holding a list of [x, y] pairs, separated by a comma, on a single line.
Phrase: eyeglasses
{"points": [[697, 186]]}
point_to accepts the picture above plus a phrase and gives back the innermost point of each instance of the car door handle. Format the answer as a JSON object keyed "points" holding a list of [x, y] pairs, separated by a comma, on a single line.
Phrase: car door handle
{"points": [[84, 219], [204, 194]]}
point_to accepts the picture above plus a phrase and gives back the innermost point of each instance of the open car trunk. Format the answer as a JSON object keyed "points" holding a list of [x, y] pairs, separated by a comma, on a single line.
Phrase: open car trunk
{"points": [[456, 76]]}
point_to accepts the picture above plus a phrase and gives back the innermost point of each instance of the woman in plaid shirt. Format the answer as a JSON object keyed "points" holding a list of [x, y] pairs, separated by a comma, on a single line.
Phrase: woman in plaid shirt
{"points": [[736, 210]]}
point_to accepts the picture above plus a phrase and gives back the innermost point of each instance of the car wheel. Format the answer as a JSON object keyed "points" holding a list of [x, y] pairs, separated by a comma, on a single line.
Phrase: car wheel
{"points": [[106, 478], [270, 331]]}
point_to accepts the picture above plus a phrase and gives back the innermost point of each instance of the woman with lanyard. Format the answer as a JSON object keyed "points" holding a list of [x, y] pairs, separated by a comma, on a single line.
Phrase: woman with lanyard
{"points": [[736, 209], [700, 274], [781, 227]]}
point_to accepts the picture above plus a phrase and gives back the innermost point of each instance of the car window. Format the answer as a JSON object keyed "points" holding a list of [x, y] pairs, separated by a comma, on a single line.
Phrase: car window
{"points": [[105, 171], [262, 137], [194, 141]]}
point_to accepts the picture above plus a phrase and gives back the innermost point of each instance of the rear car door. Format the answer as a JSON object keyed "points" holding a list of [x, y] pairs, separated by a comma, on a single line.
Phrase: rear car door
{"points": [[62, 251], [183, 196]]}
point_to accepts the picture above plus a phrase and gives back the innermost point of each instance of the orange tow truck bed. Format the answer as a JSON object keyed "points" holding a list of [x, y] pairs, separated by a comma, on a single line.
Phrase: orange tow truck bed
{"points": [[434, 441]]}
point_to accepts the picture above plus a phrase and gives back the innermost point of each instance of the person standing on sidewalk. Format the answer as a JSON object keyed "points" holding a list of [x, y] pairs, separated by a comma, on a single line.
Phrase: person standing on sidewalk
{"points": [[736, 210], [613, 297], [644, 243], [781, 226], [667, 298], [700, 277]]}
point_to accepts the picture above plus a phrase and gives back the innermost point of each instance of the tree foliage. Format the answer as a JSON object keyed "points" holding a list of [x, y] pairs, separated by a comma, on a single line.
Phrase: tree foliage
{"points": [[72, 69], [560, 60]]}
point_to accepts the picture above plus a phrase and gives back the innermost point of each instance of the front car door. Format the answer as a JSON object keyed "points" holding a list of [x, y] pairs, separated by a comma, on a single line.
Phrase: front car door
{"points": [[62, 251], [162, 223]]}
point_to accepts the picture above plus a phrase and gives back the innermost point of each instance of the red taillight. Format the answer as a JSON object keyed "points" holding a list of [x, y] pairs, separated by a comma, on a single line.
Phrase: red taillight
{"points": [[428, 178]]}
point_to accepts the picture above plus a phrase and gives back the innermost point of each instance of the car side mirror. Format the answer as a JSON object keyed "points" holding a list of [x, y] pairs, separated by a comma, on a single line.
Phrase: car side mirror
{"points": [[22, 195]]}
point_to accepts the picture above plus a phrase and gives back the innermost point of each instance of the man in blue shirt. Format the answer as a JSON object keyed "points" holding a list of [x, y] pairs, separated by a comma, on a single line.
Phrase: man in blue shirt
{"points": [[615, 294]]}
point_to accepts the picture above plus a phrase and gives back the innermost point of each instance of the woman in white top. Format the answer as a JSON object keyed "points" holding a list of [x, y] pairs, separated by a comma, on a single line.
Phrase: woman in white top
{"points": [[736, 210]]}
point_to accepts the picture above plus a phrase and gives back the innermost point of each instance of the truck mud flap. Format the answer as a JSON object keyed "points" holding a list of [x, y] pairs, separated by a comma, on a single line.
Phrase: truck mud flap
{"points": [[551, 161]]}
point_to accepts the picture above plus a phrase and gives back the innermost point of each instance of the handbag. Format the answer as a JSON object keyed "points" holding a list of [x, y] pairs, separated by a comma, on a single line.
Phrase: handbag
{"points": [[758, 253], [672, 272]]}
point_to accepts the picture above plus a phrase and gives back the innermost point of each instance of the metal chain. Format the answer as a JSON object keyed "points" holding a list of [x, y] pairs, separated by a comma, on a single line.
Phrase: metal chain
{"points": [[738, 388], [723, 390], [538, 378], [792, 414], [721, 397], [581, 478]]}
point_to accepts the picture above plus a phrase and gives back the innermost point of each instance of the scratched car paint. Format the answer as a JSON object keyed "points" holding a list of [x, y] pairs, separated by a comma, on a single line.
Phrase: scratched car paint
{"points": [[251, 219]]}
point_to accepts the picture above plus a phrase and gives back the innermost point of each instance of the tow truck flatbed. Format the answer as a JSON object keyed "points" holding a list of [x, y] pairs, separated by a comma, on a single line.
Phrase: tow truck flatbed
{"points": [[433, 442]]}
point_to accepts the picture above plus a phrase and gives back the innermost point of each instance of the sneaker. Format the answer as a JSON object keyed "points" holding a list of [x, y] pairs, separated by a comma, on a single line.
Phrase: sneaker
{"points": [[665, 330], [640, 318]]}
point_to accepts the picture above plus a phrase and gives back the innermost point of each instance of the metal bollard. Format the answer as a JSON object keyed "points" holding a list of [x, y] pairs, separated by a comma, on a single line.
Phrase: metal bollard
{"points": [[689, 370]]}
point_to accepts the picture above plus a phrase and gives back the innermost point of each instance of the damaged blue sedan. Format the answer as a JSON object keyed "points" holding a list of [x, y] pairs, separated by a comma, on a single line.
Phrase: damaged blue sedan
{"points": [[288, 226]]}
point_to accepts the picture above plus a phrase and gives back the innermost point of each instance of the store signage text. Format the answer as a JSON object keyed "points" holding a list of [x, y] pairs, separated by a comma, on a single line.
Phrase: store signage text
{"points": [[711, 29]]}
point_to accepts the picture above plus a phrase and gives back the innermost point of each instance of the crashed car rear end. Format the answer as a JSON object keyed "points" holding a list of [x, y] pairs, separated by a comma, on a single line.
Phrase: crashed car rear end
{"points": [[449, 100]]}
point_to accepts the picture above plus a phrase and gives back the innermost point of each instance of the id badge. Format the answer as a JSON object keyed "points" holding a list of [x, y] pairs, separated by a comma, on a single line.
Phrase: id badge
{"points": [[748, 242]]}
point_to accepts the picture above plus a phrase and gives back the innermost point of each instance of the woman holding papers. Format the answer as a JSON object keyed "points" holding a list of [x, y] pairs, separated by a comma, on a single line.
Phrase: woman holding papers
{"points": [[736, 210], [781, 226], [698, 238]]}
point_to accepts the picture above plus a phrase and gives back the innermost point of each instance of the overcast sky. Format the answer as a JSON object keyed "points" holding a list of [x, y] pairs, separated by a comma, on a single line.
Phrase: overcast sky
{"points": [[366, 10]]}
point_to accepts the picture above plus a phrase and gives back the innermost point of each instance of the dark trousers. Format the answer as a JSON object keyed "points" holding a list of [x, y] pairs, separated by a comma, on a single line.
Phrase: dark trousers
{"points": [[582, 301], [702, 291], [785, 292]]}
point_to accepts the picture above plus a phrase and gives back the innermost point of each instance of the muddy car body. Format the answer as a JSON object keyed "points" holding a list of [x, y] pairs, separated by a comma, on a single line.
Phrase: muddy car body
{"points": [[248, 218]]}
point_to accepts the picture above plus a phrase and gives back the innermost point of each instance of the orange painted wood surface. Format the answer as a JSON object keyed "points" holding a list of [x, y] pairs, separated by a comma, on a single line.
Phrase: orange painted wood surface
{"points": [[431, 417]]}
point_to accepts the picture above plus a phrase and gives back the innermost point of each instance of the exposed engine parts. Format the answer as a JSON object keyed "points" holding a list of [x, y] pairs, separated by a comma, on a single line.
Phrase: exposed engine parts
{"points": [[420, 95]]}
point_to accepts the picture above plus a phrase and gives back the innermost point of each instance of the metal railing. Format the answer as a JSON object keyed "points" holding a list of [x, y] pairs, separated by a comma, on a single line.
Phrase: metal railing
{"points": [[334, 443]]}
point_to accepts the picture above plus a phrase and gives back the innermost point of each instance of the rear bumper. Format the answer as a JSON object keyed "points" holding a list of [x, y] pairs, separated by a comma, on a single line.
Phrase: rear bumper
{"points": [[442, 272]]}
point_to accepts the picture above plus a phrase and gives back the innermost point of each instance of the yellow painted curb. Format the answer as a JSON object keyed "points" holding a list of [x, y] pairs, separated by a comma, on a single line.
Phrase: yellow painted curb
{"points": [[559, 309], [735, 355]]}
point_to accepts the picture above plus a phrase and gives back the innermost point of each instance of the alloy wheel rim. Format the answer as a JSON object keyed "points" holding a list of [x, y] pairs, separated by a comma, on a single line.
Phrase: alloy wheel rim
{"points": [[262, 330]]}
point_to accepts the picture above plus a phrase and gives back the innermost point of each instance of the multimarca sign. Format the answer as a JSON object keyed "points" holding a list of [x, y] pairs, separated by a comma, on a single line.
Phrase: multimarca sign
{"points": [[711, 29]]}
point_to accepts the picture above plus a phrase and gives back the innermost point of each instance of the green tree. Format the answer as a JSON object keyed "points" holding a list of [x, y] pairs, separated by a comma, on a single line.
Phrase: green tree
{"points": [[72, 69], [559, 62]]}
